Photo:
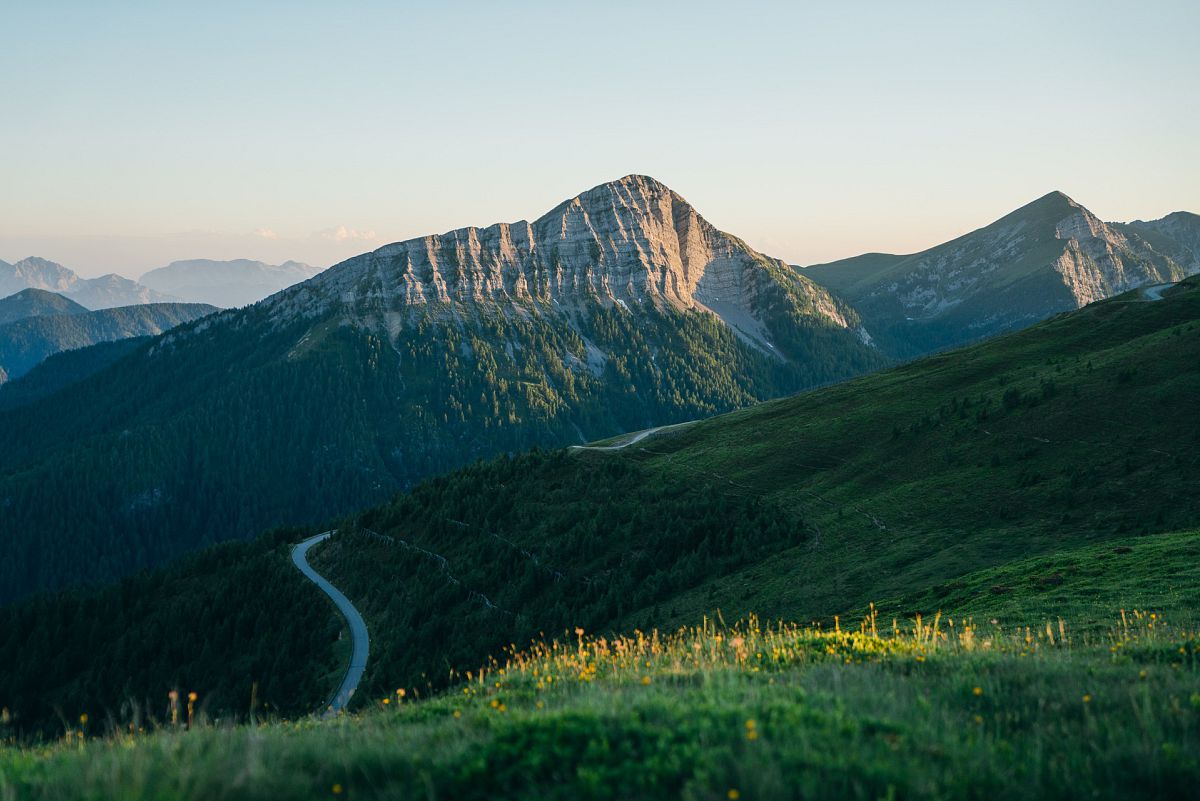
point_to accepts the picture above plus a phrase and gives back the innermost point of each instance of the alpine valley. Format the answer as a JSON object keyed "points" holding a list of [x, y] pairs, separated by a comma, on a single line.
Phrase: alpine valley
{"points": [[619, 309], [1044, 473]]}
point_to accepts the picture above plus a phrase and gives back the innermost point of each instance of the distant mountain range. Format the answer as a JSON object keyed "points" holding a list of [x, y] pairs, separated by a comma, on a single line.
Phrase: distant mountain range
{"points": [[226, 283], [621, 308], [1049, 256], [36, 303], [35, 324], [218, 283], [1003, 479], [94, 293]]}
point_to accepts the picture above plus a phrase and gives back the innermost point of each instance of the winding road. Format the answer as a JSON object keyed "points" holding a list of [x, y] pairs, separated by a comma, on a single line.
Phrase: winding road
{"points": [[1155, 292], [358, 627], [635, 439]]}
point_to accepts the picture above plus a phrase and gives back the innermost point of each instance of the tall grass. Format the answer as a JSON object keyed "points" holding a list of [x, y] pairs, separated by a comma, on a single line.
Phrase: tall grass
{"points": [[945, 707]]}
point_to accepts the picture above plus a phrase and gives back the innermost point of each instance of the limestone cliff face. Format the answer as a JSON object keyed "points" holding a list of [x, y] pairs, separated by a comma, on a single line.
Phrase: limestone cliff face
{"points": [[1177, 235], [628, 242], [1099, 261], [1049, 256]]}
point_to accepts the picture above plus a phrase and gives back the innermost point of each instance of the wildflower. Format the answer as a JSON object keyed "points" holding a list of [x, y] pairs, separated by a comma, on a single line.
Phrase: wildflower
{"points": [[979, 720], [83, 719], [387, 700], [1087, 698], [978, 691], [1142, 675], [337, 789], [733, 794], [457, 714], [645, 679]]}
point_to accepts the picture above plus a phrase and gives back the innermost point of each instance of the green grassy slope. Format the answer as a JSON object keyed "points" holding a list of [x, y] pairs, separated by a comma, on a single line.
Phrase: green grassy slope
{"points": [[241, 421], [236, 623], [1028, 463], [1151, 574], [1074, 433], [710, 713], [1046, 475]]}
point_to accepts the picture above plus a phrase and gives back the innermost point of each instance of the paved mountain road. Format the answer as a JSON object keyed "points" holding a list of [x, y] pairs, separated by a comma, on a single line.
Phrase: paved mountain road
{"points": [[1155, 292], [635, 439], [358, 627]]}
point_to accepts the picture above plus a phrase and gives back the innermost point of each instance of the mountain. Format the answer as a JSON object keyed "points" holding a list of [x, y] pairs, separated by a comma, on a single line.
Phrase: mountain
{"points": [[632, 242], [619, 309], [1046, 474], [110, 291], [95, 293], [896, 485], [26, 342], [60, 370], [35, 273], [1049, 256], [36, 303], [228, 284], [1177, 235]]}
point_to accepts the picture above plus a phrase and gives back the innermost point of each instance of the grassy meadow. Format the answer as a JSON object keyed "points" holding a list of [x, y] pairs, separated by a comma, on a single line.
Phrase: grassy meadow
{"points": [[882, 709], [1023, 512]]}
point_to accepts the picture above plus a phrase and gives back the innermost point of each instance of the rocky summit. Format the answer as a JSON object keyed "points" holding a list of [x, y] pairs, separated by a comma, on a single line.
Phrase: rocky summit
{"points": [[628, 243], [1049, 256], [620, 309]]}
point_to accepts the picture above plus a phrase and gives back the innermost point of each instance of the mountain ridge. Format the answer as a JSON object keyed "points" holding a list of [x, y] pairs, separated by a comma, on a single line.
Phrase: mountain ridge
{"points": [[104, 292], [1047, 256], [36, 303], [26, 342], [631, 240], [228, 284], [621, 310]]}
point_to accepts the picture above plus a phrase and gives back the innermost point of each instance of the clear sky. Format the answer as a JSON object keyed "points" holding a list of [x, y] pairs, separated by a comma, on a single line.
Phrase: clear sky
{"points": [[138, 133]]}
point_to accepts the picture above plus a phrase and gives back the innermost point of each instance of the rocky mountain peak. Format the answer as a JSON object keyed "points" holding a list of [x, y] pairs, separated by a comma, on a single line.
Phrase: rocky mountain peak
{"points": [[625, 242], [42, 273]]}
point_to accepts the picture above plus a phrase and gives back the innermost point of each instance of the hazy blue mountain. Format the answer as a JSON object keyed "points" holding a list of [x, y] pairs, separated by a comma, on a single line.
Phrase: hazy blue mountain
{"points": [[104, 292], [26, 342], [36, 303], [226, 283]]}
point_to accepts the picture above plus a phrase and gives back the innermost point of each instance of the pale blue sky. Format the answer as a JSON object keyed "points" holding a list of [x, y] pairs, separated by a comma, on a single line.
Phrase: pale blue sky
{"points": [[137, 133]]}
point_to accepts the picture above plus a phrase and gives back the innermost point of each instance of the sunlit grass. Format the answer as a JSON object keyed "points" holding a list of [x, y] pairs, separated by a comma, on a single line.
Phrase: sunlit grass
{"points": [[942, 706]]}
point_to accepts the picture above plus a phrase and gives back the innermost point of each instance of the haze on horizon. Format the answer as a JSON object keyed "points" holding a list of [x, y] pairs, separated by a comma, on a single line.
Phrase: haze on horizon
{"points": [[141, 133]]}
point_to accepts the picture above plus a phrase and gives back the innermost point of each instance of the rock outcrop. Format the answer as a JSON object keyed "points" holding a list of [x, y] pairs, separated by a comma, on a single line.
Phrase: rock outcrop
{"points": [[629, 242], [1049, 256]]}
